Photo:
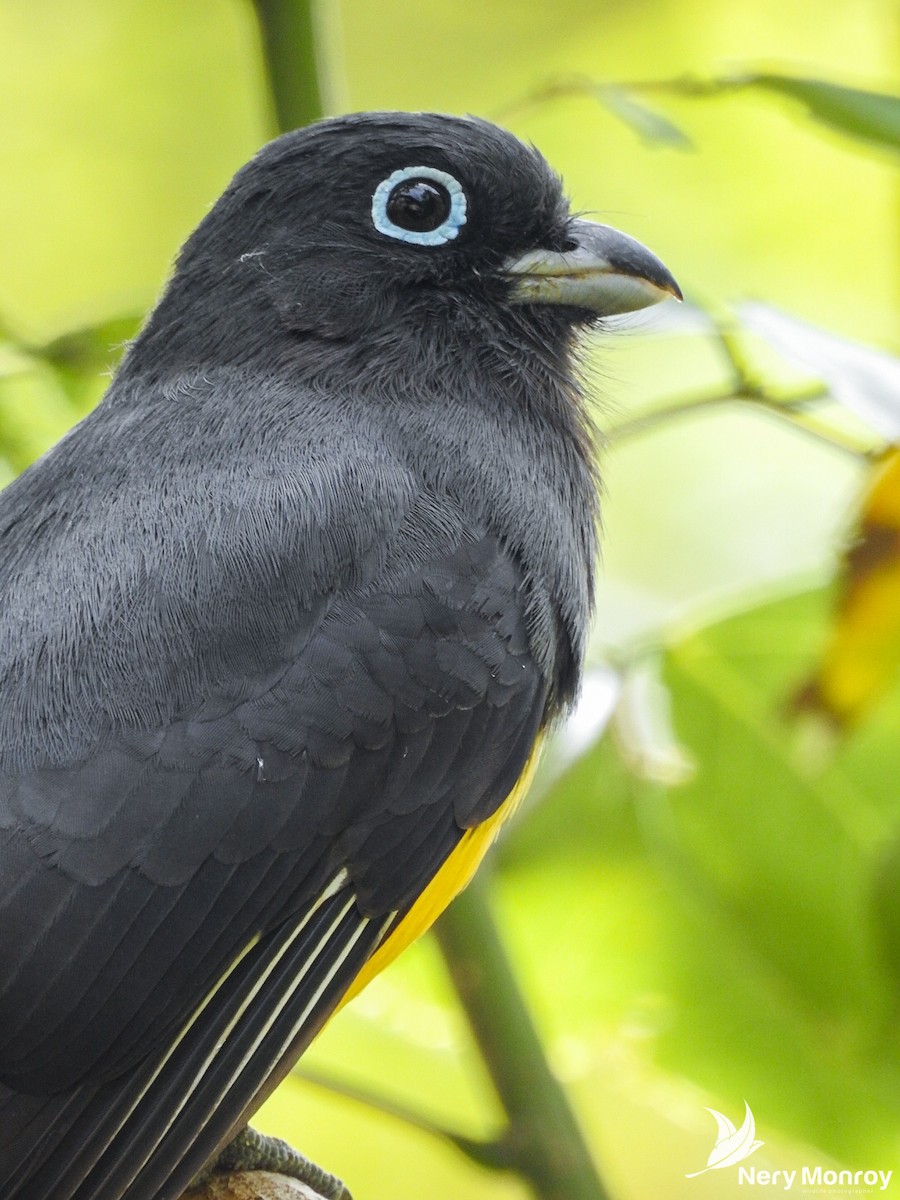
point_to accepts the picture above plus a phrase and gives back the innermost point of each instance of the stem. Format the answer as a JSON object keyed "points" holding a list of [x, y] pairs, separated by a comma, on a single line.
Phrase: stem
{"points": [[681, 407], [785, 406], [821, 431], [288, 33], [749, 387], [487, 1153], [575, 85], [545, 1144]]}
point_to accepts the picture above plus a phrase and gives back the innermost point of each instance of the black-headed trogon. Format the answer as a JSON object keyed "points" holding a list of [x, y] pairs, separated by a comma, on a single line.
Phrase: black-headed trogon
{"points": [[282, 625]]}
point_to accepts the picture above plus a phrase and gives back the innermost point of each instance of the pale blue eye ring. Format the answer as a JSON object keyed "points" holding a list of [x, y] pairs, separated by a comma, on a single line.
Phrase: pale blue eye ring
{"points": [[419, 205]]}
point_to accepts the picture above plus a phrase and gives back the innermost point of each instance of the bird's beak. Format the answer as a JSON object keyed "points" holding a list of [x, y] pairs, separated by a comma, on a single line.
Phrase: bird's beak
{"points": [[606, 272]]}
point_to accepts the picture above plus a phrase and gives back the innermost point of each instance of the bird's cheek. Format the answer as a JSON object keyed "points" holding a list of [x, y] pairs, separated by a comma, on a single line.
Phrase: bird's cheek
{"points": [[330, 303]]}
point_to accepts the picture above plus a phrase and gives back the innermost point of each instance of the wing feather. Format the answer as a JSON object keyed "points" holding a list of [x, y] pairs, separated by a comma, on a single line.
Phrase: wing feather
{"points": [[403, 719]]}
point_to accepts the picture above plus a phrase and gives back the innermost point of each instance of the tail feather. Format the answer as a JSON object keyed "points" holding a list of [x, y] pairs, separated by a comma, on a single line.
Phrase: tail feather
{"points": [[145, 1136], [231, 1087]]}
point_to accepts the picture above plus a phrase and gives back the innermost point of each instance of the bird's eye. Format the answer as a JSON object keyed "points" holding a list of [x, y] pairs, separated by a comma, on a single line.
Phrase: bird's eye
{"points": [[420, 205]]}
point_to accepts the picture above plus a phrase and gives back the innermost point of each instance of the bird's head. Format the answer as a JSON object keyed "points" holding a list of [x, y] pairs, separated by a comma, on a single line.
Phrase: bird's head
{"points": [[355, 226]]}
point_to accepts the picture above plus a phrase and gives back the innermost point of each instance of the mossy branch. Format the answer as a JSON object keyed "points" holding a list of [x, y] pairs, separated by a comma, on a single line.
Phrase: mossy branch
{"points": [[251, 1185]]}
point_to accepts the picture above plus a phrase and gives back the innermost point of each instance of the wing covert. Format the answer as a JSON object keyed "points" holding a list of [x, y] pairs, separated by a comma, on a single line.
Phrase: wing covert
{"points": [[406, 716]]}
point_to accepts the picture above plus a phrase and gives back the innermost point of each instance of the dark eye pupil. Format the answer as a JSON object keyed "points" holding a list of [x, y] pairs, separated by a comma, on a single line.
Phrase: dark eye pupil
{"points": [[418, 205]]}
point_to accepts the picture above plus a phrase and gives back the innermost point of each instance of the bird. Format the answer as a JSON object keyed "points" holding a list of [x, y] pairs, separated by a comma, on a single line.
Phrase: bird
{"points": [[284, 623]]}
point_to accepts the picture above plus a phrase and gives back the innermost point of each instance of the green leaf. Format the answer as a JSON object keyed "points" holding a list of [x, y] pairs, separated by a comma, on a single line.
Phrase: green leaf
{"points": [[14, 359], [868, 116], [743, 923], [650, 125], [92, 347], [83, 359], [886, 908]]}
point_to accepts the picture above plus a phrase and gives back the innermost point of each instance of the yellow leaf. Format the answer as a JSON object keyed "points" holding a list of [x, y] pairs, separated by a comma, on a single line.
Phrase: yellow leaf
{"points": [[862, 655]]}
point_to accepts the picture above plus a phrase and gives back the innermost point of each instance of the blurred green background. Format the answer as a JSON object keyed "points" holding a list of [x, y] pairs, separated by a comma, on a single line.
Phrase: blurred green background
{"points": [[701, 901]]}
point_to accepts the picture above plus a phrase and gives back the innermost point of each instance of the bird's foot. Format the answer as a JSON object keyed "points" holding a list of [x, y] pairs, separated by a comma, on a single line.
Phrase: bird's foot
{"points": [[253, 1151]]}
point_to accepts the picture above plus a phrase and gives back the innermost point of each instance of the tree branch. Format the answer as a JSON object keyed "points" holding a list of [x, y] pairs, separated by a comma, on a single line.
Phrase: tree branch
{"points": [[251, 1185], [543, 1142]]}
